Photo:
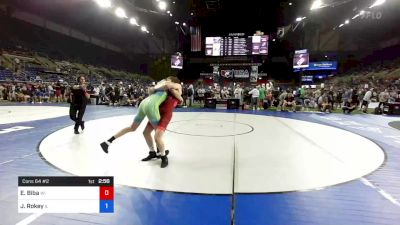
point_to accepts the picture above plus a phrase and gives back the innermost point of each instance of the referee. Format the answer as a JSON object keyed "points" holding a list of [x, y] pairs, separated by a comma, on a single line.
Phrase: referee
{"points": [[79, 98]]}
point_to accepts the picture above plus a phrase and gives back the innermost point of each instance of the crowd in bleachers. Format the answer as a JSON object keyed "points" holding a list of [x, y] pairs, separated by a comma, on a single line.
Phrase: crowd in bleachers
{"points": [[118, 93]]}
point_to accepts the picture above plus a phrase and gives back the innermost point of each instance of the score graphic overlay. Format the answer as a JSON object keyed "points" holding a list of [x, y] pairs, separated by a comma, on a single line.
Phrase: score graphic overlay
{"points": [[65, 194]]}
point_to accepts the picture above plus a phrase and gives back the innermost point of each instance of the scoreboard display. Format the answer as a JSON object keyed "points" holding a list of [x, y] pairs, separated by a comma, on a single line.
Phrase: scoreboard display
{"points": [[237, 46], [65, 194], [301, 59]]}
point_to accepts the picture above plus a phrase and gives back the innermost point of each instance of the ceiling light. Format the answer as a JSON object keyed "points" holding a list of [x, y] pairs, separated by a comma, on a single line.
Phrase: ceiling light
{"points": [[347, 22], [162, 5], [377, 3], [143, 28], [133, 21], [316, 4], [104, 3], [120, 13]]}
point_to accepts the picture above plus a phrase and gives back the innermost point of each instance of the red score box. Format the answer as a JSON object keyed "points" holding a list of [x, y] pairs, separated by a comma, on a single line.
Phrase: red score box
{"points": [[106, 193]]}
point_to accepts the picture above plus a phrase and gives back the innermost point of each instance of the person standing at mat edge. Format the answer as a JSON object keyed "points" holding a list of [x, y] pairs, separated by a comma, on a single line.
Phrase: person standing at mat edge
{"points": [[78, 98]]}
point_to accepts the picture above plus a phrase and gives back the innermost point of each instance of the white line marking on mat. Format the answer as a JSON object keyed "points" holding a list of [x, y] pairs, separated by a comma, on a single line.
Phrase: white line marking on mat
{"points": [[29, 219], [380, 191]]}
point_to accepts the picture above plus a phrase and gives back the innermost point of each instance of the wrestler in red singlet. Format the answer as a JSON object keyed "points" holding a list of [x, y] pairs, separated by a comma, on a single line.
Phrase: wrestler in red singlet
{"points": [[166, 110]]}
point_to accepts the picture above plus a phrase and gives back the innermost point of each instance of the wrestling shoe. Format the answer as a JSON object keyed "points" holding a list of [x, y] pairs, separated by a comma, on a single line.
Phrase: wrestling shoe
{"points": [[104, 146], [164, 161], [152, 155], [158, 153]]}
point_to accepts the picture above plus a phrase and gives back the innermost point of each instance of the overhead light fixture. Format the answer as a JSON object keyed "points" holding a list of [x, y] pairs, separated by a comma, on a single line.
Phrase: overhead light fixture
{"points": [[354, 17], [347, 22], [316, 4], [341, 25], [173, 2], [162, 5], [143, 28], [191, 14], [362, 12], [176, 22], [120, 12], [290, 3], [377, 3], [104, 3], [170, 14], [147, 31], [298, 19], [184, 24], [133, 21]]}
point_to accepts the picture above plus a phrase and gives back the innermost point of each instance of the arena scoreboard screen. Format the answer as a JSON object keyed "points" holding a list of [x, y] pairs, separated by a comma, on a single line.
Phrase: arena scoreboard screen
{"points": [[237, 46], [301, 59], [65, 194], [177, 61]]}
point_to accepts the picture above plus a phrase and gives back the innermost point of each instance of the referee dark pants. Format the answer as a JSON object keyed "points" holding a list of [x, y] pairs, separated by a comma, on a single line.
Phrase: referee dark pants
{"points": [[76, 114]]}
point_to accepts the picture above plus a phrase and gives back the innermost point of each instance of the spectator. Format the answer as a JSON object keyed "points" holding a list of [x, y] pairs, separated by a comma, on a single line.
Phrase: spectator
{"points": [[282, 97], [239, 94], [225, 93], [325, 105], [254, 97], [339, 99], [366, 100], [184, 95], [50, 90], [262, 95], [348, 106], [383, 98], [2, 88], [201, 93], [290, 102], [190, 94]]}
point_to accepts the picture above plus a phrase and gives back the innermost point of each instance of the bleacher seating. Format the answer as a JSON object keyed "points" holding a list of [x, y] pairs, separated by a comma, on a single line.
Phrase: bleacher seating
{"points": [[6, 75], [29, 38]]}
